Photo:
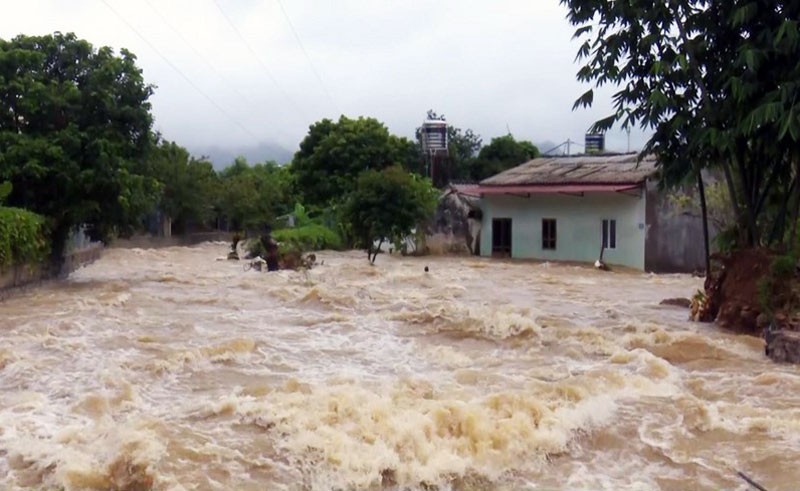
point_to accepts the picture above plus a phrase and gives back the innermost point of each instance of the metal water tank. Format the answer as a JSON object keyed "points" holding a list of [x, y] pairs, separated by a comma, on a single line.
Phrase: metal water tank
{"points": [[595, 143], [434, 135]]}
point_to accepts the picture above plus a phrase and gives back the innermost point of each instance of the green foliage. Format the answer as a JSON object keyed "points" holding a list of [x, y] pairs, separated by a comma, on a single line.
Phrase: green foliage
{"points": [[254, 197], [333, 154], [387, 205], [301, 216], [727, 240], [775, 290], [765, 296], [75, 121], [5, 190], [188, 186], [783, 267], [502, 153], [311, 237], [23, 237], [717, 82]]}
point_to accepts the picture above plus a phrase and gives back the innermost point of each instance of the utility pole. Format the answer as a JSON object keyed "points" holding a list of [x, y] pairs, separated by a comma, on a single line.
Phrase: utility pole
{"points": [[628, 130]]}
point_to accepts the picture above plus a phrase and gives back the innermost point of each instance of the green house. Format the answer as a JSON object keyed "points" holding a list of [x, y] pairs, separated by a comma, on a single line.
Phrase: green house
{"points": [[572, 208]]}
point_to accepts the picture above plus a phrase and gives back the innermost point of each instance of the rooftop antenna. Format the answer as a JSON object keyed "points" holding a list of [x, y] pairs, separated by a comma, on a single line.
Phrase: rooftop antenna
{"points": [[568, 144]]}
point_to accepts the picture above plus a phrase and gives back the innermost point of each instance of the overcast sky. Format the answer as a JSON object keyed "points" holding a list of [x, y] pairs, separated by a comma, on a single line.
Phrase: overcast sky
{"points": [[233, 73]]}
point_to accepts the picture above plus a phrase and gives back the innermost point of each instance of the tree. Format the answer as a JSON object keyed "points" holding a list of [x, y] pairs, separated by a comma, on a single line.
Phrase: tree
{"points": [[717, 82], [333, 154], [74, 121], [188, 186], [387, 205], [253, 197], [504, 152]]}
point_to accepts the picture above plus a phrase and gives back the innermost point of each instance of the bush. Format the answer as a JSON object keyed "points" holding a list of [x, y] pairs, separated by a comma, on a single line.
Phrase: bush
{"points": [[774, 290], [23, 237], [783, 267], [308, 238], [311, 237]]}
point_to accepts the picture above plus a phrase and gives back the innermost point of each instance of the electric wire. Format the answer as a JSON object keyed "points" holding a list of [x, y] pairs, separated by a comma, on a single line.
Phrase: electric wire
{"points": [[263, 66], [178, 70], [308, 58], [198, 53]]}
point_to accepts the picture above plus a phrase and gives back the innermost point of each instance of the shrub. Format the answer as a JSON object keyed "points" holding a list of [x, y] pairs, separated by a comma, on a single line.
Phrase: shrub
{"points": [[311, 237], [23, 237], [783, 267], [774, 290]]}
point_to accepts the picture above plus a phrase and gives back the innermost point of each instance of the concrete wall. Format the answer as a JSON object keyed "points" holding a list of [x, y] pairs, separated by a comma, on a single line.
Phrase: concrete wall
{"points": [[675, 236], [26, 275], [155, 242], [579, 226]]}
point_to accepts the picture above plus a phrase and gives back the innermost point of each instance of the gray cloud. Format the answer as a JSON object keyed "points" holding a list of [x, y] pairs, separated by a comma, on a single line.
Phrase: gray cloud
{"points": [[488, 66]]}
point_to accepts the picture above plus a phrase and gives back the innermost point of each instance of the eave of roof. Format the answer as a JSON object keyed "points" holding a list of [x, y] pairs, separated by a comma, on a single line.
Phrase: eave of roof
{"points": [[529, 189]]}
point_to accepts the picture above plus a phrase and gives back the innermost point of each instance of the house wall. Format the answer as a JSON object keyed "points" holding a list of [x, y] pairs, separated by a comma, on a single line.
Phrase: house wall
{"points": [[579, 226], [675, 236]]}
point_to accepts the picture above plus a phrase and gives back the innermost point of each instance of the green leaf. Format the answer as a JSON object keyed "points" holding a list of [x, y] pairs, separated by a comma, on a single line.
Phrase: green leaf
{"points": [[584, 100], [787, 123], [603, 125], [5, 190], [581, 31]]}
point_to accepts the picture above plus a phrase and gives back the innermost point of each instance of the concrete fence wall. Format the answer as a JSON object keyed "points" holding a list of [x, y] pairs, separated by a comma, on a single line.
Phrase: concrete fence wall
{"points": [[156, 242], [21, 276]]}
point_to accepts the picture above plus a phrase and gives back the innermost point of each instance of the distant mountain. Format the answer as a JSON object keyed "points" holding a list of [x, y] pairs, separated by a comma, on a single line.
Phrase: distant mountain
{"points": [[222, 157], [545, 145]]}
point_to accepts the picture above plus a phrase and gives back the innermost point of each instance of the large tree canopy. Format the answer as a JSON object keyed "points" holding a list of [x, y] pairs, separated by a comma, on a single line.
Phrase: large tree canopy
{"points": [[387, 205], [253, 197], [333, 154], [717, 81], [73, 122], [189, 186], [502, 153]]}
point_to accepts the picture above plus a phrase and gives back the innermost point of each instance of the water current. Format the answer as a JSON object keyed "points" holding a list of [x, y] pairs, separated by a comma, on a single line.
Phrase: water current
{"points": [[169, 369]]}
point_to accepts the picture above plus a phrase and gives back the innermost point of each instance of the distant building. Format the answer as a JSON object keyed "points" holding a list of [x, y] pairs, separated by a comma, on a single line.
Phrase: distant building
{"points": [[571, 208]]}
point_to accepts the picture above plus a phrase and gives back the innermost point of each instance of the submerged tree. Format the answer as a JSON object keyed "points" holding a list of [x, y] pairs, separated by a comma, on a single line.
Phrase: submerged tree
{"points": [[74, 122], [387, 205], [251, 197], [717, 81]]}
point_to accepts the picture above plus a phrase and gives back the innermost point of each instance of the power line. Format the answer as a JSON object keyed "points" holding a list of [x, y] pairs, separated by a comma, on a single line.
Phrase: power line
{"points": [[308, 58], [198, 53], [187, 79], [258, 59]]}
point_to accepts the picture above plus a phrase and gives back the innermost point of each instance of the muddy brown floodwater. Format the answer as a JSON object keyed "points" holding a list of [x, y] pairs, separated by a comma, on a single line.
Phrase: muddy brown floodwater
{"points": [[171, 370]]}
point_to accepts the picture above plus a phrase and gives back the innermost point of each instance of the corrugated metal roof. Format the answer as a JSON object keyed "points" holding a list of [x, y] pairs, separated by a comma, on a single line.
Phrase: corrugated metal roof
{"points": [[585, 169], [557, 189]]}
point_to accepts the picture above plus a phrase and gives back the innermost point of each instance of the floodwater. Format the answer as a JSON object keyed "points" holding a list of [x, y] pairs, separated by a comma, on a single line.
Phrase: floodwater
{"points": [[172, 370]]}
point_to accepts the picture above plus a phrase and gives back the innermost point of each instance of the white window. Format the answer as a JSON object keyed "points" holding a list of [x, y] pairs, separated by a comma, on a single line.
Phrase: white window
{"points": [[609, 234]]}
